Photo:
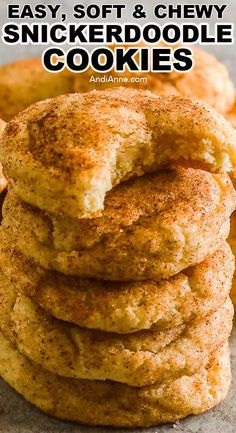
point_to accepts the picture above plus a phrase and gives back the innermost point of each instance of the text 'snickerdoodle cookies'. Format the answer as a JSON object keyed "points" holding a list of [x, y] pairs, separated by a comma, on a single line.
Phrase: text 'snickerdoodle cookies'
{"points": [[25, 82]]}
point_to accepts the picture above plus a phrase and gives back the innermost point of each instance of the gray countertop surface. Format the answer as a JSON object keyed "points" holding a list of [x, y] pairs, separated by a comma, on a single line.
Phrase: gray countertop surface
{"points": [[16, 415]]}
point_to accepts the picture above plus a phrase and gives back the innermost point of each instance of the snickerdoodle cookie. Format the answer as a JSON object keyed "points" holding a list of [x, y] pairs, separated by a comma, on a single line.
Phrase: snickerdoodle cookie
{"points": [[232, 242], [25, 82], [115, 404], [63, 155], [123, 307], [231, 115], [137, 359], [3, 181], [152, 227]]}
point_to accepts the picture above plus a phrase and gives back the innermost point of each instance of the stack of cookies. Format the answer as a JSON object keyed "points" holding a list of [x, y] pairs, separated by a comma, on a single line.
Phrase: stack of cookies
{"points": [[115, 270]]}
